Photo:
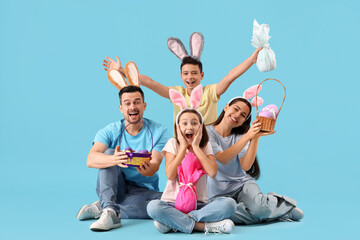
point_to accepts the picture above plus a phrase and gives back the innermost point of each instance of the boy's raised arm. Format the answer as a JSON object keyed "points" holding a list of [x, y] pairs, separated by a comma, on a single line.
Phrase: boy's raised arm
{"points": [[236, 72], [146, 81]]}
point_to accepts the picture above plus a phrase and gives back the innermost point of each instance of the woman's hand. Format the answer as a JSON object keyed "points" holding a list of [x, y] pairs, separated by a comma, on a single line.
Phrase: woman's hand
{"points": [[254, 129], [197, 138], [262, 134]]}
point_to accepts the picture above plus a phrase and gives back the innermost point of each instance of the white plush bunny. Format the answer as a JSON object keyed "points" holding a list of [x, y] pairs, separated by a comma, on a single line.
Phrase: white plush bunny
{"points": [[132, 75], [196, 46]]}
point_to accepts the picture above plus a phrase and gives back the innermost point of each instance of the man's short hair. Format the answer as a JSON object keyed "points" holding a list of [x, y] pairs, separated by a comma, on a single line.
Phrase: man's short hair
{"points": [[191, 60], [131, 89]]}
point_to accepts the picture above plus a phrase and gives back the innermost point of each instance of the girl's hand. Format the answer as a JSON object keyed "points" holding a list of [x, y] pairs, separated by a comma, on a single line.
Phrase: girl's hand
{"points": [[254, 129], [111, 64], [182, 140], [197, 138]]}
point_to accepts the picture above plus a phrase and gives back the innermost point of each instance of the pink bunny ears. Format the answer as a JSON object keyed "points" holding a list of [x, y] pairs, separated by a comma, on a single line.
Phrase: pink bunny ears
{"points": [[250, 93], [132, 75], [196, 46], [195, 99]]}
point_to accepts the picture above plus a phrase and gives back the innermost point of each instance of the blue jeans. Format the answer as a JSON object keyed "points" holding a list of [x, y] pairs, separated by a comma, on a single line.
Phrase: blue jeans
{"points": [[123, 196], [254, 207], [164, 212]]}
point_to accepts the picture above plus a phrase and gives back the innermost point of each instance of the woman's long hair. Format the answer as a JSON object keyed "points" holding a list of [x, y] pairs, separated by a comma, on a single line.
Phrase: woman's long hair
{"points": [[254, 171]]}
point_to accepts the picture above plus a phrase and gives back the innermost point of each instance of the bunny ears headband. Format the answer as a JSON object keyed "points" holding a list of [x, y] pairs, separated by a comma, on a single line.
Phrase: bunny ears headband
{"points": [[132, 75], [250, 93], [196, 46], [195, 98]]}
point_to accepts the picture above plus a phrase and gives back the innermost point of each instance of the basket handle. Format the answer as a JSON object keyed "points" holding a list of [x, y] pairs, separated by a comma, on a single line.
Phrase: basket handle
{"points": [[257, 110], [152, 138]]}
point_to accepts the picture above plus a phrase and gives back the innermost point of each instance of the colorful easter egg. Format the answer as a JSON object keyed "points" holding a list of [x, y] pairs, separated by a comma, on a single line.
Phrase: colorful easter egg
{"points": [[269, 111], [143, 151]]}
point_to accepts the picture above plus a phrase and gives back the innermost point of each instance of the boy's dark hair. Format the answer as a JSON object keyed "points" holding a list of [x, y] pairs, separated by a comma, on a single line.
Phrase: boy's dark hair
{"points": [[191, 60], [254, 171], [131, 89]]}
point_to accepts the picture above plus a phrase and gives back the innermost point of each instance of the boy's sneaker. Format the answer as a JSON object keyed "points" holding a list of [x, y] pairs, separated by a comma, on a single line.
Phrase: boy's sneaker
{"points": [[294, 214], [89, 211], [109, 219], [161, 227], [224, 226]]}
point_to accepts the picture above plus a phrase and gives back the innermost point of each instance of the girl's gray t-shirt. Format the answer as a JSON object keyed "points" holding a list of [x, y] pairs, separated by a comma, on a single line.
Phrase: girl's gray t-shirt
{"points": [[230, 177]]}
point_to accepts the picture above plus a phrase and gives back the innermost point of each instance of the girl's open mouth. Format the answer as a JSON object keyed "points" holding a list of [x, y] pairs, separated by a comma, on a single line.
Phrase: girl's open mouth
{"points": [[189, 135]]}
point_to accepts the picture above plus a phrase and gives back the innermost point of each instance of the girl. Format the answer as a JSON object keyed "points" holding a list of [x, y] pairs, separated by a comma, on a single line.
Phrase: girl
{"points": [[169, 213], [234, 144]]}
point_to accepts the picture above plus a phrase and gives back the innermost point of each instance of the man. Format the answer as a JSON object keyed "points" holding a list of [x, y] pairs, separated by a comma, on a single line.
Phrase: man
{"points": [[125, 191]]}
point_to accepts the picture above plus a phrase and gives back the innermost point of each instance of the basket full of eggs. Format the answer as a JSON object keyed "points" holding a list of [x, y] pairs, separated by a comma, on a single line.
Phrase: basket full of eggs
{"points": [[268, 115], [137, 158]]}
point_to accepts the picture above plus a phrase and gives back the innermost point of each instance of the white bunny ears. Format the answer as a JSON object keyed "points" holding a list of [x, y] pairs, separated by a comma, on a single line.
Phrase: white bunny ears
{"points": [[195, 99], [196, 46], [250, 93], [132, 75]]}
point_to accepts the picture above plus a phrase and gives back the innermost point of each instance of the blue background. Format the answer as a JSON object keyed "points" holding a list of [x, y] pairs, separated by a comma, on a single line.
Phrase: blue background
{"points": [[54, 97]]}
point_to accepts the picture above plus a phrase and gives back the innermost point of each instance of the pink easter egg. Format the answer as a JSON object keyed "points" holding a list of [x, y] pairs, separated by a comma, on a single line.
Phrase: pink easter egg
{"points": [[269, 111], [142, 151]]}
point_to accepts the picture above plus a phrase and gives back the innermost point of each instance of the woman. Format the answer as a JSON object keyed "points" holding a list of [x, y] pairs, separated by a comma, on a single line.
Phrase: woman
{"points": [[234, 143]]}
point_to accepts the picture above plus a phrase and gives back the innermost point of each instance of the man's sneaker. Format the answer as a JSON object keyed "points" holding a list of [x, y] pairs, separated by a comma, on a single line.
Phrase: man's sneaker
{"points": [[161, 227], [109, 219], [224, 226], [294, 214], [89, 211]]}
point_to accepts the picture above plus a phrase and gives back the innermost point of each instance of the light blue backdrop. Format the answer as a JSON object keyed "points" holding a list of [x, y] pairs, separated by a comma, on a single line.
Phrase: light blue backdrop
{"points": [[54, 96]]}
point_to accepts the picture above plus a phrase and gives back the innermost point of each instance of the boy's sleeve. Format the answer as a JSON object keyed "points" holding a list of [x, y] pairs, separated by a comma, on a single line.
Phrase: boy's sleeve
{"points": [[211, 93]]}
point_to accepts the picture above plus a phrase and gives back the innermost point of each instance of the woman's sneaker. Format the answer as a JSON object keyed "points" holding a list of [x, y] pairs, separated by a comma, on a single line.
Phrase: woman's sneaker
{"points": [[224, 226], [161, 227], [89, 211], [294, 214], [109, 219]]}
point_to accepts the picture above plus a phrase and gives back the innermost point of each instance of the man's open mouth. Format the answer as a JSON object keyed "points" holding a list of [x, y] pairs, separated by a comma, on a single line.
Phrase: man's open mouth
{"points": [[133, 114]]}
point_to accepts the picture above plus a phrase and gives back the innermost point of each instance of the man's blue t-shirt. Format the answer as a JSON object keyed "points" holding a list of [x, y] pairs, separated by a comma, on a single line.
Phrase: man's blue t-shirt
{"points": [[110, 136]]}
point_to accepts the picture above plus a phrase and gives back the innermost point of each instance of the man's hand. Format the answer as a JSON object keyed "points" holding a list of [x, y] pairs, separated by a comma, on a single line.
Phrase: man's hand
{"points": [[146, 169], [120, 157], [111, 64]]}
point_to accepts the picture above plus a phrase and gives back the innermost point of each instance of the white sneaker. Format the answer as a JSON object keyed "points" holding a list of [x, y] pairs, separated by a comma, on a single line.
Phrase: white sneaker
{"points": [[224, 226], [89, 211], [161, 227], [109, 219]]}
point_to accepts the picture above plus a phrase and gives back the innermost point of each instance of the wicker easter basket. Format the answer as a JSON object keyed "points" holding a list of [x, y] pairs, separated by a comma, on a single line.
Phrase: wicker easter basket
{"points": [[268, 124], [136, 159]]}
